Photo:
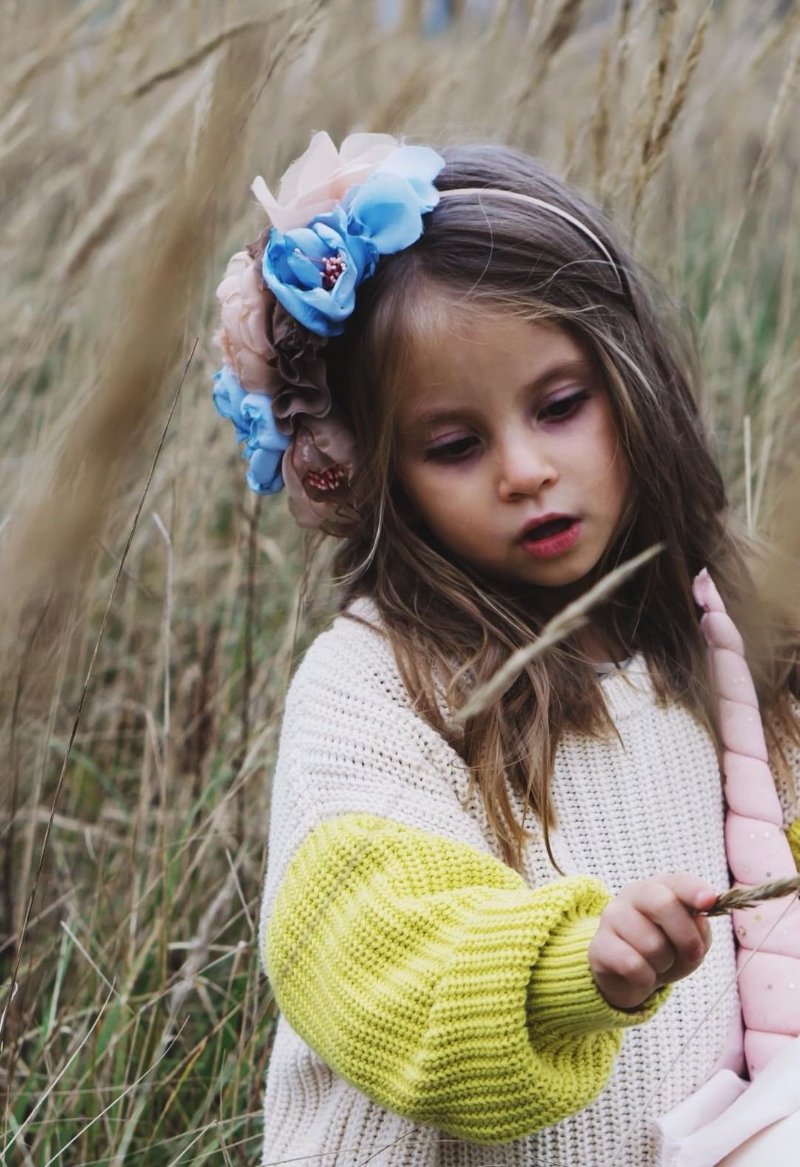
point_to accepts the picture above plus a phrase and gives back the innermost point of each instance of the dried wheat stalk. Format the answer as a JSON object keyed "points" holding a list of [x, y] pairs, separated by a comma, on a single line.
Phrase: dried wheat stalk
{"points": [[573, 617], [749, 897]]}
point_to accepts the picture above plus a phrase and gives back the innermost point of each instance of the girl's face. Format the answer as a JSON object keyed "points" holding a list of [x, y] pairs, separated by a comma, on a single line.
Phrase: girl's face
{"points": [[508, 449]]}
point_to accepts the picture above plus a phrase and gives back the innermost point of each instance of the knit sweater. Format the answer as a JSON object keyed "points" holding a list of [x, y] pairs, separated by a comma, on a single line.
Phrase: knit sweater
{"points": [[437, 1007]]}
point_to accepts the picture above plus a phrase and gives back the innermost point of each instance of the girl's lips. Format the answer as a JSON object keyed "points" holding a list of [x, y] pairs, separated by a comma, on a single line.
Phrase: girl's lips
{"points": [[549, 545]]}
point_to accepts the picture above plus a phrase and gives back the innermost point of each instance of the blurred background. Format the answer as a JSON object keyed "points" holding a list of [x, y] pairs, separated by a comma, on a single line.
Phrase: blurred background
{"points": [[151, 609]]}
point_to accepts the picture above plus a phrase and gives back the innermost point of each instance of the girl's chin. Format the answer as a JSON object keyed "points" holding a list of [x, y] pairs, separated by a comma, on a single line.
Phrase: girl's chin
{"points": [[561, 582]]}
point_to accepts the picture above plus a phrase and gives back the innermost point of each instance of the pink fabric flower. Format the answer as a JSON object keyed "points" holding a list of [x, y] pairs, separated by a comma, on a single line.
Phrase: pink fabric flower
{"points": [[318, 469], [320, 178], [243, 301]]}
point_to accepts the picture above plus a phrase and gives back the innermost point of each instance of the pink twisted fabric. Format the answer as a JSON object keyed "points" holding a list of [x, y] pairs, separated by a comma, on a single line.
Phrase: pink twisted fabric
{"points": [[757, 850]]}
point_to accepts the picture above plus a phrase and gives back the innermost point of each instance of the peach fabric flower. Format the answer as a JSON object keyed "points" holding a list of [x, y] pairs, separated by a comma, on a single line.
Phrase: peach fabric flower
{"points": [[318, 469], [320, 178], [243, 310]]}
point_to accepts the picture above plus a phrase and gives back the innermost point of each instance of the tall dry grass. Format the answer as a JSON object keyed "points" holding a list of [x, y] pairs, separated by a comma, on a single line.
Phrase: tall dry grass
{"points": [[150, 612]]}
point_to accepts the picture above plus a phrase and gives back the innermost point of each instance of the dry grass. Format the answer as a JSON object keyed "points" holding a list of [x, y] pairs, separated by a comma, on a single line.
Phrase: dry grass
{"points": [[139, 1029]]}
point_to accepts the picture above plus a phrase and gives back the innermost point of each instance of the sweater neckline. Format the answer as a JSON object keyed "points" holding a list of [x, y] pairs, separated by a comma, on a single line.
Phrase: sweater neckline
{"points": [[628, 680]]}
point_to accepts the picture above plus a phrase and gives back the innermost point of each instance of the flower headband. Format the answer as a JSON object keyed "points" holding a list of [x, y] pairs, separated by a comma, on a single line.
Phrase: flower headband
{"points": [[337, 212]]}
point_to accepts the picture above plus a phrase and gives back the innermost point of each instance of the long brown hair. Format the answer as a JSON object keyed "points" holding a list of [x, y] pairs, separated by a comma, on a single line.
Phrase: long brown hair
{"points": [[448, 625]]}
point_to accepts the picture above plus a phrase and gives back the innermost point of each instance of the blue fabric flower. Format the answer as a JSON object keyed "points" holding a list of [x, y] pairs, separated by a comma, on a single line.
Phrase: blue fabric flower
{"points": [[385, 211], [264, 447], [314, 271], [228, 397], [254, 426], [418, 166]]}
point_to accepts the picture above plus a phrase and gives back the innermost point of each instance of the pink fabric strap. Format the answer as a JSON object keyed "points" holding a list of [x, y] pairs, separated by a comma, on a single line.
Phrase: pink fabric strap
{"points": [[757, 849]]}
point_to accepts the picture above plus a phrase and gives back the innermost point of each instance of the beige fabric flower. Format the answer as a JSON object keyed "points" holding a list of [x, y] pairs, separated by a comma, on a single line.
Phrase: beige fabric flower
{"points": [[320, 178], [242, 337]]}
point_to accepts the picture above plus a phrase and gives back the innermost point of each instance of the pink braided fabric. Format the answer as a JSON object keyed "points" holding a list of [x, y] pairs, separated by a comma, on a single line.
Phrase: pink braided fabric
{"points": [[757, 850]]}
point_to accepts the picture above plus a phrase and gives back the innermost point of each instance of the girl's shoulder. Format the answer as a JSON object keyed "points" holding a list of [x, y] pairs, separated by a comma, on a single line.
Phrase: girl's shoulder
{"points": [[353, 650], [358, 624], [349, 684]]}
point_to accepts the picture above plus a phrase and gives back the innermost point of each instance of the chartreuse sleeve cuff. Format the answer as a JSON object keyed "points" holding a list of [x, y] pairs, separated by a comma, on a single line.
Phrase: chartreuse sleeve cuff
{"points": [[793, 835], [429, 975]]}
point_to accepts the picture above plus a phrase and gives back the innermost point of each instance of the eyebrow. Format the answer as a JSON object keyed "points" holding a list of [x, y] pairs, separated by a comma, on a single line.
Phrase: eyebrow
{"points": [[581, 367]]}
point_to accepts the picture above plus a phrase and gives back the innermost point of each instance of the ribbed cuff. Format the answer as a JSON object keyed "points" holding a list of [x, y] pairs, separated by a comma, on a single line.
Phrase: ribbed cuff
{"points": [[562, 995]]}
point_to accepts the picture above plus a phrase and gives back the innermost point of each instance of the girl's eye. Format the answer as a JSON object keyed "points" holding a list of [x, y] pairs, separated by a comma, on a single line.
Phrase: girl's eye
{"points": [[563, 407], [452, 450]]}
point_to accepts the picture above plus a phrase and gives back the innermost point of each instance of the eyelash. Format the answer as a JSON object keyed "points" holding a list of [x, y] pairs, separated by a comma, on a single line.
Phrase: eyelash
{"points": [[451, 451], [552, 412], [460, 448]]}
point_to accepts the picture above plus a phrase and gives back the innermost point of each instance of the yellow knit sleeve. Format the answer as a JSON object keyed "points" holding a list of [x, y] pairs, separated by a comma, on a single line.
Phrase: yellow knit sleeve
{"points": [[434, 979], [793, 835]]}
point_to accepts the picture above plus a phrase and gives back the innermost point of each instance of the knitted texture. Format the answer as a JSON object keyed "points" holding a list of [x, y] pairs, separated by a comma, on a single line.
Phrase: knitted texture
{"points": [[642, 800], [436, 956]]}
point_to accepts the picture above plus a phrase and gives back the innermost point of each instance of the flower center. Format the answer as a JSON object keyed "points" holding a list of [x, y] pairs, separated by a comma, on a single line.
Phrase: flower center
{"points": [[332, 268], [334, 478]]}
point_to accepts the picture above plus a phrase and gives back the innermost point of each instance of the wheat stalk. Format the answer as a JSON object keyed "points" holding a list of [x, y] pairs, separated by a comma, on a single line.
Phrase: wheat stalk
{"points": [[561, 29], [196, 56], [749, 897], [783, 101], [571, 618], [657, 136]]}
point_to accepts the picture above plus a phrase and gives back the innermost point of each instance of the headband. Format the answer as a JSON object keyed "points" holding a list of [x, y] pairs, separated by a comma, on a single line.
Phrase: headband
{"points": [[337, 212], [552, 208]]}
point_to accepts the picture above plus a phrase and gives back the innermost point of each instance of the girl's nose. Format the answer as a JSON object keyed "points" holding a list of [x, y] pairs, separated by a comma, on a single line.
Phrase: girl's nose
{"points": [[524, 468]]}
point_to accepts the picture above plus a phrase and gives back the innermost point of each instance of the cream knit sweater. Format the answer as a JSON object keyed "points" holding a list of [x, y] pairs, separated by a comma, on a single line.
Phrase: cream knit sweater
{"points": [[648, 801]]}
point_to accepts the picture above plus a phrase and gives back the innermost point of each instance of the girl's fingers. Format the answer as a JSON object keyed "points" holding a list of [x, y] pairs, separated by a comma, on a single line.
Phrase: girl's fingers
{"points": [[696, 894], [638, 931], [704, 928], [652, 943], [665, 905], [621, 973], [649, 936]]}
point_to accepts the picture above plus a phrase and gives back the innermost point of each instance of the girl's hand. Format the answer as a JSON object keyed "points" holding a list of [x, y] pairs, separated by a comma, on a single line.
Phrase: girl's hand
{"points": [[649, 936]]}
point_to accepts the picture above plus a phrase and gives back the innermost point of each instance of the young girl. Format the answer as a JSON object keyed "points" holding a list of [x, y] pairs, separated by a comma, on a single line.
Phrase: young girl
{"points": [[473, 934]]}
